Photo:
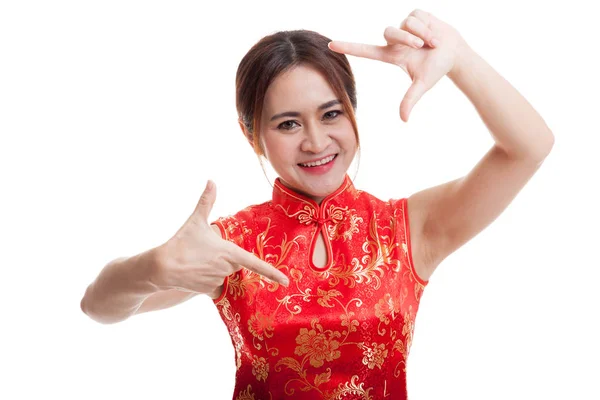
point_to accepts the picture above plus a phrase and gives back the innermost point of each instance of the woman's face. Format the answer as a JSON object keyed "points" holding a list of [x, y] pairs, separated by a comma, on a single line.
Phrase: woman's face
{"points": [[303, 122]]}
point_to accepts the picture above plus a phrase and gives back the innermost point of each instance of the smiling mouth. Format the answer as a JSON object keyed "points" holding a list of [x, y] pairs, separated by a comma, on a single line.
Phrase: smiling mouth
{"points": [[323, 161]]}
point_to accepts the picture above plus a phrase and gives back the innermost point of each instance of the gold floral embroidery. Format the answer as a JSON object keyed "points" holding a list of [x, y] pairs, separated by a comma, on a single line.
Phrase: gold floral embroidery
{"points": [[317, 346], [238, 343], [403, 294], [374, 357], [295, 366], [291, 363], [403, 345], [399, 346], [246, 394], [307, 215], [287, 301], [370, 267], [349, 322], [387, 306], [408, 328], [326, 295], [323, 378], [418, 291], [345, 223], [246, 283], [351, 387], [276, 260], [336, 214], [260, 368], [238, 284], [261, 324], [226, 308]]}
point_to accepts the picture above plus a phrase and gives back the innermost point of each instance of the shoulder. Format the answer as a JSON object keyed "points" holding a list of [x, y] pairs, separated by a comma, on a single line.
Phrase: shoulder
{"points": [[409, 214], [383, 208], [234, 227], [407, 217], [365, 200]]}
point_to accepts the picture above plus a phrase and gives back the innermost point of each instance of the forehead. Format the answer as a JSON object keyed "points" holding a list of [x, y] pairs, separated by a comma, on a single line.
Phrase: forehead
{"points": [[301, 88]]}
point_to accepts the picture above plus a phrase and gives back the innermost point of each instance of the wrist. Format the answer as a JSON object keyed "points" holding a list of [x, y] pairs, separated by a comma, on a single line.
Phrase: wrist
{"points": [[464, 61]]}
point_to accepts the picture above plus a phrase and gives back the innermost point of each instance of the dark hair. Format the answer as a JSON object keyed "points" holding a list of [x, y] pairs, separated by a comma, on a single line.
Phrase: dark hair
{"points": [[279, 52]]}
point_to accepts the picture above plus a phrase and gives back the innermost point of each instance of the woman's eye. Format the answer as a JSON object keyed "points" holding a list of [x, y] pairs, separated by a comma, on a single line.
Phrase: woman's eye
{"points": [[334, 112], [286, 125]]}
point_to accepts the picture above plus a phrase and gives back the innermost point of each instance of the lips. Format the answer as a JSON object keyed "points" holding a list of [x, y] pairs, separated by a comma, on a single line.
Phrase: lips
{"points": [[319, 162]]}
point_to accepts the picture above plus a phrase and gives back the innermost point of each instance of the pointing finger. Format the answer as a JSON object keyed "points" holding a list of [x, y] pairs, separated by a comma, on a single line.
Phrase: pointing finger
{"points": [[359, 50], [255, 264]]}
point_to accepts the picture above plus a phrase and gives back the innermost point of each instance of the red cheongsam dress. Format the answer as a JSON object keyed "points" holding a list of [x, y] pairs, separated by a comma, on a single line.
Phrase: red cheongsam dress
{"points": [[340, 331]]}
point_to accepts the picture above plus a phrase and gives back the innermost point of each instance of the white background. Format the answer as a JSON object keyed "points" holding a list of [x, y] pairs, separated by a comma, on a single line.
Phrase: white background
{"points": [[114, 114]]}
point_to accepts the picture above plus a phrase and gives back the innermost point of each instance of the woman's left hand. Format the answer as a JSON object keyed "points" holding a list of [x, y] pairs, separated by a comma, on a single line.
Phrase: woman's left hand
{"points": [[425, 64]]}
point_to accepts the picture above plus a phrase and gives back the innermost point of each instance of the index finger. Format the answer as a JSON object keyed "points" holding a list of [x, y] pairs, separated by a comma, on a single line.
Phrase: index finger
{"points": [[255, 264], [358, 49]]}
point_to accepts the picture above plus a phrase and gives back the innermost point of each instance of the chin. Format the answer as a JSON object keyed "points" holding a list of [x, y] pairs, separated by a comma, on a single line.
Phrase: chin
{"points": [[324, 186], [317, 186]]}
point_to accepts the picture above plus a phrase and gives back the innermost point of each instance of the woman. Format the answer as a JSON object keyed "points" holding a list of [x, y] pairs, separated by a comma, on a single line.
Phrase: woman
{"points": [[319, 287]]}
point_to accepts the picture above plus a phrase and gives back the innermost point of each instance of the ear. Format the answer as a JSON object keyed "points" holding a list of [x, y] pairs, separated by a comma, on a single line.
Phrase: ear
{"points": [[249, 137], [247, 134]]}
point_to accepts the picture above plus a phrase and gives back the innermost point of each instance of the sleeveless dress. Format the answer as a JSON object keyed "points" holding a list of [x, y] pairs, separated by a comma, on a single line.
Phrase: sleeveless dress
{"points": [[341, 331]]}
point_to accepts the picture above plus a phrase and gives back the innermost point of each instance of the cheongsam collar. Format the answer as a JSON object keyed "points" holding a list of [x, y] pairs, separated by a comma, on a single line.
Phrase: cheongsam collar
{"points": [[306, 211]]}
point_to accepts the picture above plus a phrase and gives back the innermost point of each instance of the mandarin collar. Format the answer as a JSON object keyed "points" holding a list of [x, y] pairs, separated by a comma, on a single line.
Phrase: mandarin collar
{"points": [[298, 206]]}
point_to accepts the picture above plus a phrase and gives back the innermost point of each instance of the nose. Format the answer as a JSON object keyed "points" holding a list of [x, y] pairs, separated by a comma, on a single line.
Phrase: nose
{"points": [[316, 139]]}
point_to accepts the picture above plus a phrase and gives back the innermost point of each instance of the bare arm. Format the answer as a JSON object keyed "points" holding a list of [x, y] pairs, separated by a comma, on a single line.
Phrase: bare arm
{"points": [[120, 288], [137, 294], [195, 260], [447, 216], [164, 299]]}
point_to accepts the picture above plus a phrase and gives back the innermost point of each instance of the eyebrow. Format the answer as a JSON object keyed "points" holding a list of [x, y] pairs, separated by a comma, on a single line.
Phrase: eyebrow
{"points": [[297, 114]]}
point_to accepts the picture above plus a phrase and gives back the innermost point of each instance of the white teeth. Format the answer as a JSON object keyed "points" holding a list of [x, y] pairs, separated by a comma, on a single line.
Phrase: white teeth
{"points": [[320, 162]]}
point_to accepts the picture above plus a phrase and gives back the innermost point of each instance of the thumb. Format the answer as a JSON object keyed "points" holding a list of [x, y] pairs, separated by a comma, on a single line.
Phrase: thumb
{"points": [[412, 96], [207, 199]]}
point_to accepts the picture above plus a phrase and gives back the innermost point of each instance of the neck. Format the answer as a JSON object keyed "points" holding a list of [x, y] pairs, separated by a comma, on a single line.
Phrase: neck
{"points": [[316, 199]]}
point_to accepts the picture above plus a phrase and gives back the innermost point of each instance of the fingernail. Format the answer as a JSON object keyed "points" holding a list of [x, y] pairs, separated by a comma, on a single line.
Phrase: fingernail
{"points": [[435, 42], [286, 282], [418, 42]]}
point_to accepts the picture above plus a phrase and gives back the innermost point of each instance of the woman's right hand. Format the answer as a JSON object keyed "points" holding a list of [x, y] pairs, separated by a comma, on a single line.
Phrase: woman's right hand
{"points": [[197, 259]]}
